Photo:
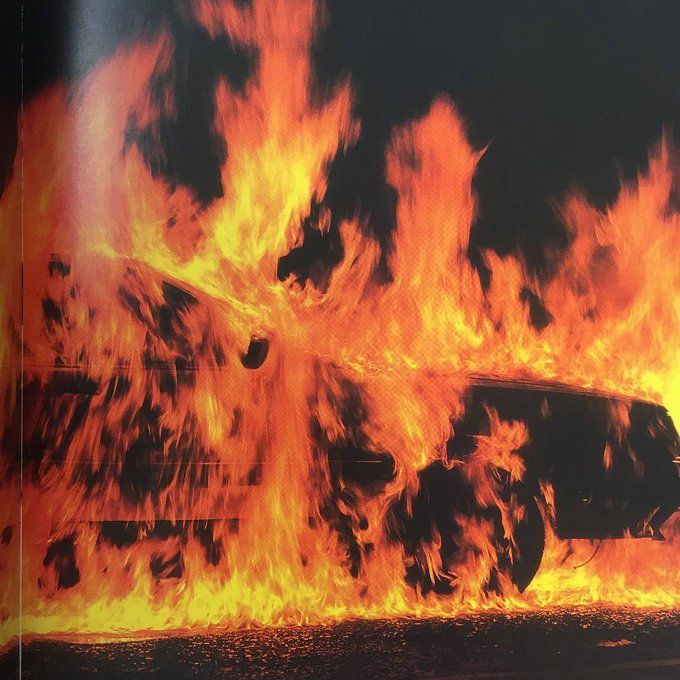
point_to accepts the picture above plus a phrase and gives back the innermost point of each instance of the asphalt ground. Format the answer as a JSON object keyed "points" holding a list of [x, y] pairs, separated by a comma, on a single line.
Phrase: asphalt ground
{"points": [[596, 643]]}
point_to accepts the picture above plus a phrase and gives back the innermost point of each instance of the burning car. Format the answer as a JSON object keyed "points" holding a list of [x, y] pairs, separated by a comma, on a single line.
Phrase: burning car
{"points": [[204, 436], [593, 466]]}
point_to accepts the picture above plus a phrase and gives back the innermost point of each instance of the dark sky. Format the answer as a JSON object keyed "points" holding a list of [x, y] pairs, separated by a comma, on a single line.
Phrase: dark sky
{"points": [[565, 93]]}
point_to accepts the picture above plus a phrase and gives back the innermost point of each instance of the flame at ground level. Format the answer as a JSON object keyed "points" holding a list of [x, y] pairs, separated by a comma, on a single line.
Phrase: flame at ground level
{"points": [[206, 445], [626, 574]]}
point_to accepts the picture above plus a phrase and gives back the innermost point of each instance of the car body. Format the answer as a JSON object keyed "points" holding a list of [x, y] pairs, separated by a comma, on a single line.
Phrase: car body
{"points": [[609, 463]]}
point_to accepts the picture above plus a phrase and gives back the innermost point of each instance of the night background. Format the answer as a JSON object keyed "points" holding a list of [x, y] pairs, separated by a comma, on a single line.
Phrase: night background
{"points": [[565, 94]]}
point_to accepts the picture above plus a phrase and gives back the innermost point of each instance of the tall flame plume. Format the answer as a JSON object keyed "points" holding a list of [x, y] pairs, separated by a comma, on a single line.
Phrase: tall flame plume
{"points": [[140, 304]]}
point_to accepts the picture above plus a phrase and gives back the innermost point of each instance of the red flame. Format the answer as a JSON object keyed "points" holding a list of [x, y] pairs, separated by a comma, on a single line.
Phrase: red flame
{"points": [[148, 301]]}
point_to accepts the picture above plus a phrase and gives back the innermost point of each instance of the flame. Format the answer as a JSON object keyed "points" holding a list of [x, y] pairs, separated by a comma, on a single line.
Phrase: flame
{"points": [[139, 306]]}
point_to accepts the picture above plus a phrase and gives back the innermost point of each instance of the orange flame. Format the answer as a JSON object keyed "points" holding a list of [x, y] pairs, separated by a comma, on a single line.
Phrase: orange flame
{"points": [[149, 302]]}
